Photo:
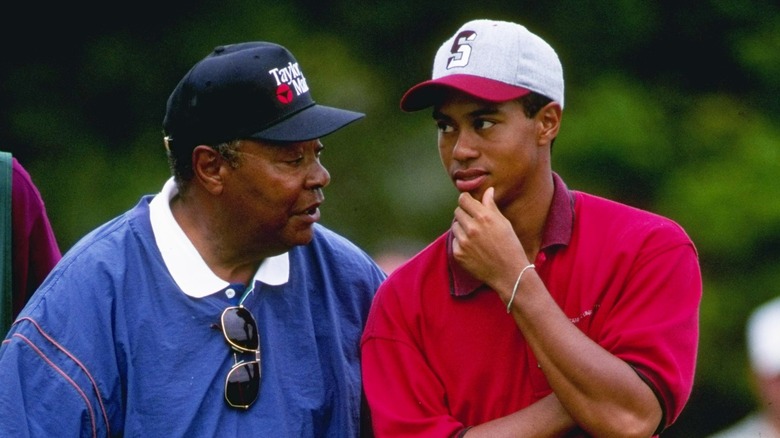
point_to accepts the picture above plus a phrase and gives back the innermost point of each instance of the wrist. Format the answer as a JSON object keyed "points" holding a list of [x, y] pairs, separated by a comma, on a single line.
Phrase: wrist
{"points": [[517, 284]]}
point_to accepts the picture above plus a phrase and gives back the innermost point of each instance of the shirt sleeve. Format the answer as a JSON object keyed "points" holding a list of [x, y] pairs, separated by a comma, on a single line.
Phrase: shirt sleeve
{"points": [[653, 323]]}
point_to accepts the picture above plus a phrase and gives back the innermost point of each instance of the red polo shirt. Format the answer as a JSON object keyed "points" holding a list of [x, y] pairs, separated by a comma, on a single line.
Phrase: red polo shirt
{"points": [[440, 352]]}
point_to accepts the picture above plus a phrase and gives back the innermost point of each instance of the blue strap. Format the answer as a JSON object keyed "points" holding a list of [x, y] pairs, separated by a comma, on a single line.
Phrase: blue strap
{"points": [[6, 236]]}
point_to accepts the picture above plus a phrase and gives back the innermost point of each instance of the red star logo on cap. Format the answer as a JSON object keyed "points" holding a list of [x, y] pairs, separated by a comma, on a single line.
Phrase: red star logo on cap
{"points": [[284, 93]]}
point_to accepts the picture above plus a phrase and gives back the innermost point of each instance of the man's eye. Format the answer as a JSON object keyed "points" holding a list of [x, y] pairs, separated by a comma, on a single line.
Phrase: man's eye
{"points": [[444, 127], [483, 124]]}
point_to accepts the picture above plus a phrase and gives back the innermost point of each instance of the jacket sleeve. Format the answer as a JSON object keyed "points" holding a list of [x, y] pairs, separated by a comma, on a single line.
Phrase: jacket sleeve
{"points": [[45, 391]]}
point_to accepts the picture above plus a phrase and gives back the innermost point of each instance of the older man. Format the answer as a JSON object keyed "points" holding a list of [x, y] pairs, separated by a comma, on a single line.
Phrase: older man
{"points": [[219, 306]]}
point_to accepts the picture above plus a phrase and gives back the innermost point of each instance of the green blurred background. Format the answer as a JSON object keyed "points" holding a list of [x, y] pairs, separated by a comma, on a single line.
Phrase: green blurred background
{"points": [[670, 106]]}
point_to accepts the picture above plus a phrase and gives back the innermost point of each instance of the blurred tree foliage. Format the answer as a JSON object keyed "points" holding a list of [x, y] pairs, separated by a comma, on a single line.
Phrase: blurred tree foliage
{"points": [[669, 107]]}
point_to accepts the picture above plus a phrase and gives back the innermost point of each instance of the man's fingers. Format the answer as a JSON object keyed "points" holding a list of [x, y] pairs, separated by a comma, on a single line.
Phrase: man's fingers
{"points": [[467, 203], [487, 197], [457, 233]]}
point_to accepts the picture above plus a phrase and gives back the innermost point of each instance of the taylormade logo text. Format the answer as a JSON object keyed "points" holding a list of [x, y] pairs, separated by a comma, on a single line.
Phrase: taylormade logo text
{"points": [[291, 76]]}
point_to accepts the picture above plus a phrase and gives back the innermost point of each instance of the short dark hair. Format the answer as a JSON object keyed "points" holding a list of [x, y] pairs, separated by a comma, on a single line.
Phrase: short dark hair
{"points": [[533, 103], [180, 162]]}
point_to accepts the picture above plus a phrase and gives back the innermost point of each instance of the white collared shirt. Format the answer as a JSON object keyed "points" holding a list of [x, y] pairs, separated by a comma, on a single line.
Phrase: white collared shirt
{"points": [[187, 267]]}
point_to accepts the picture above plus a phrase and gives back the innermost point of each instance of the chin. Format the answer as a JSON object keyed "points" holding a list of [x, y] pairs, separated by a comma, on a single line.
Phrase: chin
{"points": [[302, 237]]}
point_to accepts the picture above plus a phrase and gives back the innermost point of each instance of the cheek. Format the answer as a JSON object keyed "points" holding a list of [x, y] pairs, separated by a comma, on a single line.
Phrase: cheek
{"points": [[266, 197], [276, 197], [445, 151]]}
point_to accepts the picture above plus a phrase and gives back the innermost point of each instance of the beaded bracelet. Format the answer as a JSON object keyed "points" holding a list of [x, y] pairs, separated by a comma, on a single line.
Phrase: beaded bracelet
{"points": [[517, 283]]}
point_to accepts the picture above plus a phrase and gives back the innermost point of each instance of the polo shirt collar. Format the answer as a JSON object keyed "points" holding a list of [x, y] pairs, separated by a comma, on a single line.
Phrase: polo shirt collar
{"points": [[187, 267], [557, 232]]}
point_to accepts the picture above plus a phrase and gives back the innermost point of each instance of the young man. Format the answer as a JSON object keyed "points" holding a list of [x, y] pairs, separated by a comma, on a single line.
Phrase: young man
{"points": [[543, 311], [219, 306]]}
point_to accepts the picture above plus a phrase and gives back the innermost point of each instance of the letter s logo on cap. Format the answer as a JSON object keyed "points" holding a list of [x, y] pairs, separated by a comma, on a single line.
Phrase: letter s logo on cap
{"points": [[461, 49]]}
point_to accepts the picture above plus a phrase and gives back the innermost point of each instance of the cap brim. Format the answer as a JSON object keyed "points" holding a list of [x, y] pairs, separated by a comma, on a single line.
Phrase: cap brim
{"points": [[428, 93], [313, 122]]}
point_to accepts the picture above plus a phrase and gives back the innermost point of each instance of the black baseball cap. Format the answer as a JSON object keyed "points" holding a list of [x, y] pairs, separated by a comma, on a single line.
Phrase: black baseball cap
{"points": [[253, 90]]}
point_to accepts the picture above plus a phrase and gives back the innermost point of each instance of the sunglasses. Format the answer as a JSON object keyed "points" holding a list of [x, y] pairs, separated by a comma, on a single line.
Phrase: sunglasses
{"points": [[243, 381]]}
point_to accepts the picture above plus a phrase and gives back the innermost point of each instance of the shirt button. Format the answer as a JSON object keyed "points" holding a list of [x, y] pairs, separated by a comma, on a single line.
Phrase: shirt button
{"points": [[230, 292]]}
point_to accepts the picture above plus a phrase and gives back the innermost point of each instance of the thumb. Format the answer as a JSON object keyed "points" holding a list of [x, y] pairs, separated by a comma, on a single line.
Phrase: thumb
{"points": [[487, 198]]}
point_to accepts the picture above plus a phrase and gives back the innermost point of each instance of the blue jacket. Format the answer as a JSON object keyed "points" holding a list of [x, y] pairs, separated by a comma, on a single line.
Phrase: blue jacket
{"points": [[110, 346]]}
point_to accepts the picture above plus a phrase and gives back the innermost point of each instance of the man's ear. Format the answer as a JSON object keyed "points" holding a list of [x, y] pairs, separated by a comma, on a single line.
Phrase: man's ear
{"points": [[207, 167], [550, 122]]}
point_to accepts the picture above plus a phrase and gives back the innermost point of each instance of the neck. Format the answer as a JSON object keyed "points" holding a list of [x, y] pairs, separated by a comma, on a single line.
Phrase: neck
{"points": [[528, 214], [204, 232]]}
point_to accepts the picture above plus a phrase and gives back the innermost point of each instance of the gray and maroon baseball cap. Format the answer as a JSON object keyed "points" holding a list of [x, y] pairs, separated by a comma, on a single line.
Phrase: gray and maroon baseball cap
{"points": [[492, 60], [254, 90]]}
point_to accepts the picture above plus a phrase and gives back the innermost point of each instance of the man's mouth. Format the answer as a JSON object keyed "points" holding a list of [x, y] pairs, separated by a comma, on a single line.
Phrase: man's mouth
{"points": [[468, 180]]}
